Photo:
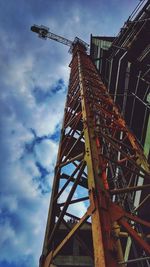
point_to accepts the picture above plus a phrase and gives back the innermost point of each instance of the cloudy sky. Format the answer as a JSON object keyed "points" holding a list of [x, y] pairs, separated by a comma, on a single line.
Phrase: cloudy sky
{"points": [[33, 83]]}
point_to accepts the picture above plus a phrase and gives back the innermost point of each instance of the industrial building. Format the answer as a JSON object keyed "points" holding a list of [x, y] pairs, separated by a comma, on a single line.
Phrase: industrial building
{"points": [[124, 66]]}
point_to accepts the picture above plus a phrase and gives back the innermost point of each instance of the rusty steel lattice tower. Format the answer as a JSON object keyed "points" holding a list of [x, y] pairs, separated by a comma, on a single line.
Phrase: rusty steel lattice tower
{"points": [[98, 167]]}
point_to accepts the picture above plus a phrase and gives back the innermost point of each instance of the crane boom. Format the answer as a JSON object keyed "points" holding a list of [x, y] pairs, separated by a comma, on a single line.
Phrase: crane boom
{"points": [[44, 33]]}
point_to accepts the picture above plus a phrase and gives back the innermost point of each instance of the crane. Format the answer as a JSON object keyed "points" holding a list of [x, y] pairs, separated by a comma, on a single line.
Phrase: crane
{"points": [[99, 163], [44, 33]]}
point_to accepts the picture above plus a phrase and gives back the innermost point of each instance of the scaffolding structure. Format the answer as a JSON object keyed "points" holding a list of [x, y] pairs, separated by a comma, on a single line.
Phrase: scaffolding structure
{"points": [[98, 167], [124, 66]]}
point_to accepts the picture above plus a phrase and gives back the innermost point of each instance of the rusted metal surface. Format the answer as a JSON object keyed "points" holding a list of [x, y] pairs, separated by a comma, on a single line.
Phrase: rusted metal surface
{"points": [[100, 156], [129, 189]]}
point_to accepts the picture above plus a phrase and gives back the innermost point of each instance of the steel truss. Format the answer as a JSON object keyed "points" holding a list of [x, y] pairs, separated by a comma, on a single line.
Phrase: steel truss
{"points": [[99, 164]]}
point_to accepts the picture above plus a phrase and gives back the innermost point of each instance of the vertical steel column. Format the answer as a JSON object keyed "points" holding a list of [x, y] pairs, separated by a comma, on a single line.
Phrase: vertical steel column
{"points": [[92, 161]]}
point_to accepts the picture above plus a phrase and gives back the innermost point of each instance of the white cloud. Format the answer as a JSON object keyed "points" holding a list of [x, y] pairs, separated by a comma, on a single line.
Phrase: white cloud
{"points": [[9, 233], [9, 202], [46, 153], [46, 116], [28, 239], [19, 74]]}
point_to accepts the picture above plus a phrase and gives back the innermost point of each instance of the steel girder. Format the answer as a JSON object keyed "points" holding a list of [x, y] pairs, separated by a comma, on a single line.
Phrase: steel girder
{"points": [[99, 164]]}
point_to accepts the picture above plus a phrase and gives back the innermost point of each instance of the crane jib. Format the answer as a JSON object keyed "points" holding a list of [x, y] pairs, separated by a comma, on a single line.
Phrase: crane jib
{"points": [[44, 33]]}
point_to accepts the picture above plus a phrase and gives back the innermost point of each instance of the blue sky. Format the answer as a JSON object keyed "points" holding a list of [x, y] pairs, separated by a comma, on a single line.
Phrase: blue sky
{"points": [[33, 81]]}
